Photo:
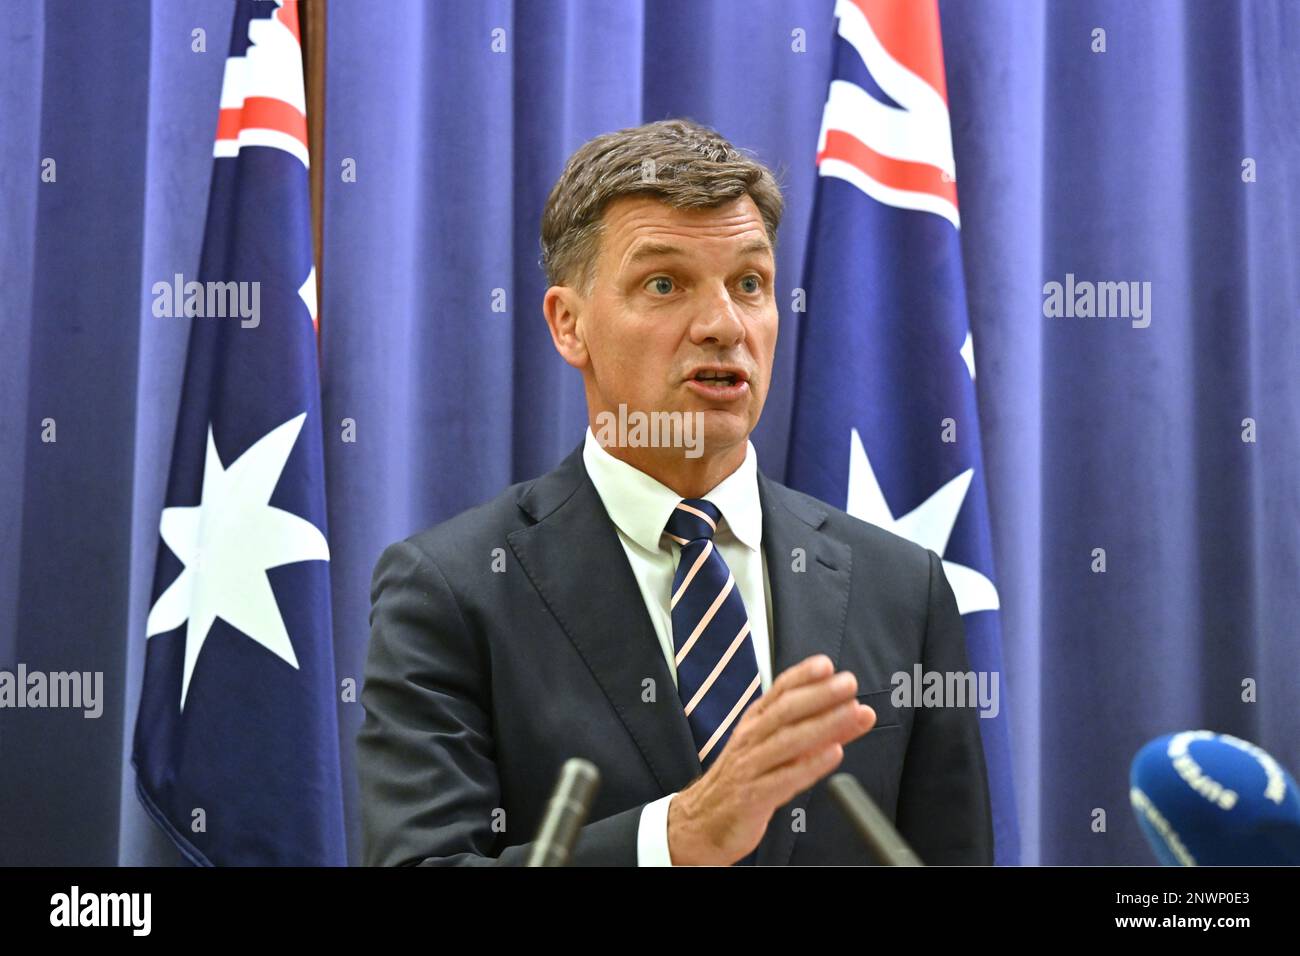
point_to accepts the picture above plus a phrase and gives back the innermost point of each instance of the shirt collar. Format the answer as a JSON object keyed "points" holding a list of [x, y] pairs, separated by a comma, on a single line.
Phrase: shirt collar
{"points": [[640, 505]]}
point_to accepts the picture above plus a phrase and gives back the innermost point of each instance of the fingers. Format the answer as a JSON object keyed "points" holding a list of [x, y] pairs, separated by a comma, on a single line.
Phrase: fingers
{"points": [[796, 695], [782, 785], [817, 667], [790, 738], [838, 723], [817, 746]]}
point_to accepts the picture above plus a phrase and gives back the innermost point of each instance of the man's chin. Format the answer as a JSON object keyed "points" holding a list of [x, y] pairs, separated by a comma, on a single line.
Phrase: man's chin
{"points": [[722, 431]]}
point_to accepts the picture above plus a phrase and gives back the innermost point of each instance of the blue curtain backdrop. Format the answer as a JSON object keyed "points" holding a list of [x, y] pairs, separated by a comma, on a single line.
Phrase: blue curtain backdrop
{"points": [[1122, 165]]}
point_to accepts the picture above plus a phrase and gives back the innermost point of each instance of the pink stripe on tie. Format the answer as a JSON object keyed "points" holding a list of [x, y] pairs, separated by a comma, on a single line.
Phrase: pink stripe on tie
{"points": [[731, 651], [722, 728], [704, 621], [698, 513], [699, 563]]}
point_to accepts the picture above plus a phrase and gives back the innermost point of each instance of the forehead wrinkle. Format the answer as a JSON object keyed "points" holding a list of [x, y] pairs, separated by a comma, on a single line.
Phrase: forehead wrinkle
{"points": [[640, 221], [643, 249], [637, 210]]}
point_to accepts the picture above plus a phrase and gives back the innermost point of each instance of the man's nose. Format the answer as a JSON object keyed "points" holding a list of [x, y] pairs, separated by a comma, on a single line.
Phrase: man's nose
{"points": [[718, 321]]}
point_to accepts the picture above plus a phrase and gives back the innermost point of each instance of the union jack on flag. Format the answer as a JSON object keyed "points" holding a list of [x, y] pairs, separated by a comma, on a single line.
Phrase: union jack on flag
{"points": [[236, 740], [893, 437]]}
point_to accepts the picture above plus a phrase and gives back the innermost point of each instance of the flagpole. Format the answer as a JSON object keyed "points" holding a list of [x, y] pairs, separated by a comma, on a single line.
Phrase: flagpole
{"points": [[313, 16]]}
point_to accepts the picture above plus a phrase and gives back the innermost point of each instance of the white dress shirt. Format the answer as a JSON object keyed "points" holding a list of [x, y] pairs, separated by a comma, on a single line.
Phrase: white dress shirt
{"points": [[639, 506]]}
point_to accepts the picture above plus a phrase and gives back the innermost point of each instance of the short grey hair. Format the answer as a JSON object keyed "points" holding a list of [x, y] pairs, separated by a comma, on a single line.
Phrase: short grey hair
{"points": [[680, 162]]}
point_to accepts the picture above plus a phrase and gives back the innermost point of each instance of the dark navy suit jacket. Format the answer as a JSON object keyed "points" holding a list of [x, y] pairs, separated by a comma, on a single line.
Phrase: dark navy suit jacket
{"points": [[513, 637]]}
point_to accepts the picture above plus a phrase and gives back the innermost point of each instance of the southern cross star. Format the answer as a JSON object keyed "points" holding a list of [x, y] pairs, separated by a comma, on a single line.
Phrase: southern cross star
{"points": [[227, 542], [929, 525]]}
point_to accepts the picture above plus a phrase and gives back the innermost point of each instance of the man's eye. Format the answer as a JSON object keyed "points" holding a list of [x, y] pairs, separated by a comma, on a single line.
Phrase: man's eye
{"points": [[660, 284], [751, 284]]}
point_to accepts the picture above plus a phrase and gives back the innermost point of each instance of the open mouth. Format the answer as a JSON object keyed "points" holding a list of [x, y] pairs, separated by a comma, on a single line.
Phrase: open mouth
{"points": [[719, 384], [718, 379]]}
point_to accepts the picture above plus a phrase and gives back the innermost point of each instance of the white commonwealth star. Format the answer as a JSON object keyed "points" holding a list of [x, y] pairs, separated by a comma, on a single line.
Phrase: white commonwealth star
{"points": [[930, 525], [227, 543]]}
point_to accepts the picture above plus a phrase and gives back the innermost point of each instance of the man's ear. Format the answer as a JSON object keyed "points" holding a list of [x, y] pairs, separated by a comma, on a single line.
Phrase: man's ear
{"points": [[564, 308]]}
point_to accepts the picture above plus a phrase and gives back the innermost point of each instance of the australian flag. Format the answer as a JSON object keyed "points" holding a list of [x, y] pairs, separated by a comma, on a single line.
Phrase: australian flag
{"points": [[236, 743], [893, 436]]}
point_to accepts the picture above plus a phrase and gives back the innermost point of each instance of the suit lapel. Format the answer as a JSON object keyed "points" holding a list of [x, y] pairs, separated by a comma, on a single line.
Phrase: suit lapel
{"points": [[809, 574], [574, 558]]}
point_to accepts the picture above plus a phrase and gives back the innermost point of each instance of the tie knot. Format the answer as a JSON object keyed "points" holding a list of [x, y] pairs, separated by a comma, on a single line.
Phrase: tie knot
{"points": [[694, 519]]}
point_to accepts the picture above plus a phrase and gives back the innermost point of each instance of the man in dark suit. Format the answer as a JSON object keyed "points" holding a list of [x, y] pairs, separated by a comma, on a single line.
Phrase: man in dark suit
{"points": [[715, 643]]}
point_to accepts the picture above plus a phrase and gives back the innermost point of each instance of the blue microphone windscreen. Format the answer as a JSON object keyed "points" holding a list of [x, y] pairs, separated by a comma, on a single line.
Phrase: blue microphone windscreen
{"points": [[1215, 800]]}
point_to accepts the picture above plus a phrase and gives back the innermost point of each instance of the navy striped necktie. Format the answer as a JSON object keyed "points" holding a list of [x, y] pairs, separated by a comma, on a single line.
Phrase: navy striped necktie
{"points": [[717, 669]]}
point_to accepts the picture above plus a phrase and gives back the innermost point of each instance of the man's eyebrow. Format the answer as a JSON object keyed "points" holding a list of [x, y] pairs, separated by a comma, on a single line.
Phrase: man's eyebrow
{"points": [[654, 250], [657, 250], [756, 245]]}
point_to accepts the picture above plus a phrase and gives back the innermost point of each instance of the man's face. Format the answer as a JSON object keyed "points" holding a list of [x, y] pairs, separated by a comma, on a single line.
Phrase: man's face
{"points": [[682, 315]]}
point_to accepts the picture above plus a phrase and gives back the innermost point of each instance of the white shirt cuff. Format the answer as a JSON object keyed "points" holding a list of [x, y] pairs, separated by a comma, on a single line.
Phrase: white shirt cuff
{"points": [[652, 834]]}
